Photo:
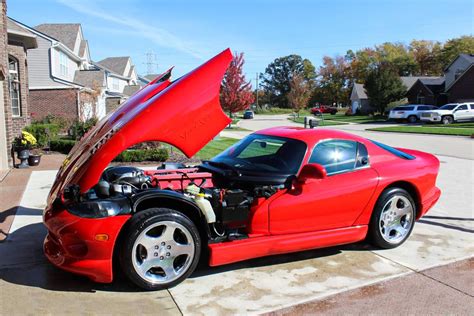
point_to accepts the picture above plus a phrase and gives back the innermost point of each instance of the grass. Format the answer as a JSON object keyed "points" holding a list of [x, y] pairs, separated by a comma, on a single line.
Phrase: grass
{"points": [[341, 117], [429, 129], [215, 147], [236, 129]]}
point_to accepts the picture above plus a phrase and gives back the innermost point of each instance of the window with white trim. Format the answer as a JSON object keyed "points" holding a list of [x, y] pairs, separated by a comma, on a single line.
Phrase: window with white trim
{"points": [[14, 86], [115, 84], [63, 64]]}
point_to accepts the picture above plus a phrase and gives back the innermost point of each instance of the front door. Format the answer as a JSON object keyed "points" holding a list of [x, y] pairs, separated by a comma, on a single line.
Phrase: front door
{"points": [[333, 202]]}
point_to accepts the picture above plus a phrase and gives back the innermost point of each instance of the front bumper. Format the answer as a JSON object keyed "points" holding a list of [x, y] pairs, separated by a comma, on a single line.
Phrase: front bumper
{"points": [[431, 119], [72, 243]]}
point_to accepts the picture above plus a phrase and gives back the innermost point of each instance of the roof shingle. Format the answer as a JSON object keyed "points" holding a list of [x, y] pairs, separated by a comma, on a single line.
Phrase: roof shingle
{"points": [[116, 64], [66, 33]]}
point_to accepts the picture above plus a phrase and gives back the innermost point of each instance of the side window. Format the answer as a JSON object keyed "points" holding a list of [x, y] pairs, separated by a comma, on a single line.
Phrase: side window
{"points": [[472, 106], [462, 107], [424, 108], [335, 155]]}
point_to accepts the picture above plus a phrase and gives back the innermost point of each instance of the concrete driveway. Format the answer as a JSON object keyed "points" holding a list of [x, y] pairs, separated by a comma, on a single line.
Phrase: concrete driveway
{"points": [[28, 284]]}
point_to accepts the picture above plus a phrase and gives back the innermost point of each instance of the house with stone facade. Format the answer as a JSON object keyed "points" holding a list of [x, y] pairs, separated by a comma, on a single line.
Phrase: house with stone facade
{"points": [[16, 43]]}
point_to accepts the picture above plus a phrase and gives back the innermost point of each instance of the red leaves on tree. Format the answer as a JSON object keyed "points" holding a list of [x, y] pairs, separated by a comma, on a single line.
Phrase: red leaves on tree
{"points": [[236, 92]]}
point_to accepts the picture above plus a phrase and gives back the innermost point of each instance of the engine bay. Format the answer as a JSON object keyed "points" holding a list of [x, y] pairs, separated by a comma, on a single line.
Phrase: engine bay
{"points": [[227, 207]]}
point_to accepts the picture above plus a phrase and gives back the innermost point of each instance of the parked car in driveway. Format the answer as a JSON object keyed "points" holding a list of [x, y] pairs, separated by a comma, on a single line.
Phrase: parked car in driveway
{"points": [[278, 190], [450, 113], [410, 112], [249, 114], [319, 109]]}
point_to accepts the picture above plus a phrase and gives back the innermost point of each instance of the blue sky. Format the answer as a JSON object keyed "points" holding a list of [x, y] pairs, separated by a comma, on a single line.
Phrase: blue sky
{"points": [[184, 33]]}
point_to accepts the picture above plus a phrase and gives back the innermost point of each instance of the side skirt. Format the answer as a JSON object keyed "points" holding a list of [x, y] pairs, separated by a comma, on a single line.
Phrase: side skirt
{"points": [[239, 250]]}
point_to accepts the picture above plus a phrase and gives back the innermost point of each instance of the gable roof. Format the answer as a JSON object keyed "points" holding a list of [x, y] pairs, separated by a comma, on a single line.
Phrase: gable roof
{"points": [[360, 91], [15, 30], [116, 64], [66, 33], [409, 81], [90, 78], [468, 57], [470, 68]]}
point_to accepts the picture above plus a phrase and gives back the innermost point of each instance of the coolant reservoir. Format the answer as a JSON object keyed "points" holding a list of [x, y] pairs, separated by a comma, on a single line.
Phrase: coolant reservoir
{"points": [[205, 207]]}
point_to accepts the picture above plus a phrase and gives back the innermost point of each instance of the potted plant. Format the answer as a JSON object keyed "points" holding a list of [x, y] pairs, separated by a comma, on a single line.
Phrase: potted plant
{"points": [[35, 157], [22, 145]]}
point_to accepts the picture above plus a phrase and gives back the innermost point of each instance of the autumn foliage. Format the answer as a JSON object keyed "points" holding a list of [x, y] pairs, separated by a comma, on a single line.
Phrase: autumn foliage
{"points": [[236, 92]]}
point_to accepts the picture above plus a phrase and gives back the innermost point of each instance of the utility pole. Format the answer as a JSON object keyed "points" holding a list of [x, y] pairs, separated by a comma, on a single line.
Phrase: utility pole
{"points": [[151, 64], [256, 92]]}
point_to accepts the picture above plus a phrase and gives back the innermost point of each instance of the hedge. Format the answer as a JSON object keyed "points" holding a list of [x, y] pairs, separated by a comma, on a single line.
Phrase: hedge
{"points": [[62, 145], [43, 132], [138, 155]]}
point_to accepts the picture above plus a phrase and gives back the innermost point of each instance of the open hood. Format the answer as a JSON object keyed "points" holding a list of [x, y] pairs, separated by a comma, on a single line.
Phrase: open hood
{"points": [[185, 113]]}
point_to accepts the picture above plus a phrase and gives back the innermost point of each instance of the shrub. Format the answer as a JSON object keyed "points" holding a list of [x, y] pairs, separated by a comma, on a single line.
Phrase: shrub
{"points": [[61, 122], [139, 155], [79, 129], [62, 145], [43, 132]]}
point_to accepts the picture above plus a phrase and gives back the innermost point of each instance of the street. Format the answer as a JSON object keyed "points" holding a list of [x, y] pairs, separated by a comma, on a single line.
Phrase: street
{"points": [[29, 284]]}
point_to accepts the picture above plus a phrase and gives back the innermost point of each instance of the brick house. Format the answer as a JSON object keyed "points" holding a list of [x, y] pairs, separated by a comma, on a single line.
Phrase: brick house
{"points": [[457, 84], [15, 43]]}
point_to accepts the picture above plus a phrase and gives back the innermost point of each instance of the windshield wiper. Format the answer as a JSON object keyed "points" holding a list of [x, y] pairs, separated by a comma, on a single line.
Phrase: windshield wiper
{"points": [[224, 165]]}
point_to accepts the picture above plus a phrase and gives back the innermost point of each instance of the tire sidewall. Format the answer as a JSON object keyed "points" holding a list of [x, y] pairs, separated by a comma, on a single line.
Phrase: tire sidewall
{"points": [[375, 236], [138, 223]]}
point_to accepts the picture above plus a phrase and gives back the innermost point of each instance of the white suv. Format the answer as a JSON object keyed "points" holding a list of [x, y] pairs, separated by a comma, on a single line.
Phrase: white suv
{"points": [[410, 112], [449, 113]]}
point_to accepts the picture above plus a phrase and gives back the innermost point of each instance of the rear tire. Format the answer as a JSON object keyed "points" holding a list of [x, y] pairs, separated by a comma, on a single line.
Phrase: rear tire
{"points": [[393, 219], [448, 119], [412, 119], [160, 248]]}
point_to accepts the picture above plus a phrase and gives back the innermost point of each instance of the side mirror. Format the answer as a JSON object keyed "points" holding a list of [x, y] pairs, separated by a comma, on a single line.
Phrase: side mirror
{"points": [[311, 171]]}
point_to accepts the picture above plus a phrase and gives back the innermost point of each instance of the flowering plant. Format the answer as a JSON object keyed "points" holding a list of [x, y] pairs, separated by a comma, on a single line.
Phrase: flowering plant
{"points": [[25, 141]]}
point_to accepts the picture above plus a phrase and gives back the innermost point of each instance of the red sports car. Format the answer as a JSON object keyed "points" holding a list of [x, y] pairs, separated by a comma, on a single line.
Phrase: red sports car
{"points": [[276, 191]]}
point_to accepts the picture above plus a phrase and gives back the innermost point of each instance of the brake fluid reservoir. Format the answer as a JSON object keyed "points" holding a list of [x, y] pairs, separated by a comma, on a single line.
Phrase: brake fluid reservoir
{"points": [[205, 207]]}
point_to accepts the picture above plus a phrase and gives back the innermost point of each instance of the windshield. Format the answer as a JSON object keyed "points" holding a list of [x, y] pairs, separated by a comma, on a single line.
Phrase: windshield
{"points": [[267, 154], [448, 106]]}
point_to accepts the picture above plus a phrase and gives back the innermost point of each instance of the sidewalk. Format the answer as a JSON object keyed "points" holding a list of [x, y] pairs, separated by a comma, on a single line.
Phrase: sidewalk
{"points": [[447, 290], [12, 186]]}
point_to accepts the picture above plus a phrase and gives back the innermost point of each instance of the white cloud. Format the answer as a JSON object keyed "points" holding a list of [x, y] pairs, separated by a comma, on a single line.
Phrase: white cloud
{"points": [[158, 35]]}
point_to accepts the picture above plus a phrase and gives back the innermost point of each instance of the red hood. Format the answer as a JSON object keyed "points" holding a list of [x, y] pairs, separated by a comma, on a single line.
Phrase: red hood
{"points": [[185, 113]]}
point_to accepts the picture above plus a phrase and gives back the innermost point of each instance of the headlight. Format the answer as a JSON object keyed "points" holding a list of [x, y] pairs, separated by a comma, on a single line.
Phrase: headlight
{"points": [[100, 208]]}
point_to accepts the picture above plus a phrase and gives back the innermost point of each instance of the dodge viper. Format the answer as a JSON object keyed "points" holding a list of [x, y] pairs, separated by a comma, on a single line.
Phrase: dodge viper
{"points": [[278, 190]]}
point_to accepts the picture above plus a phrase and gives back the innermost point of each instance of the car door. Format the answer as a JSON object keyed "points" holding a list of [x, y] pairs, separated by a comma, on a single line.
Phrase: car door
{"points": [[461, 112], [333, 202], [471, 111]]}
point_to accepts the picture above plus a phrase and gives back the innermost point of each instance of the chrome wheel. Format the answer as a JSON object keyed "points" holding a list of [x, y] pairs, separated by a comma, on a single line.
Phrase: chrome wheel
{"points": [[396, 219], [163, 252]]}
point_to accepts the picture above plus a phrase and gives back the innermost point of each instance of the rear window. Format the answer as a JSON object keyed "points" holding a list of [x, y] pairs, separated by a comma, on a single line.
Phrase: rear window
{"points": [[403, 108], [394, 151]]}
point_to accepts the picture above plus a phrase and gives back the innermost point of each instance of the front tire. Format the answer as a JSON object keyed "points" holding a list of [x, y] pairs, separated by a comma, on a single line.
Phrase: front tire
{"points": [[448, 119], [161, 248], [393, 218]]}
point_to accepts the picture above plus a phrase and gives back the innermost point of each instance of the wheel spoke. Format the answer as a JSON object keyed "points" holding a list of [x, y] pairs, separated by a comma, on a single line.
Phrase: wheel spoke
{"points": [[149, 242], [148, 264], [168, 268], [168, 233], [182, 249]]}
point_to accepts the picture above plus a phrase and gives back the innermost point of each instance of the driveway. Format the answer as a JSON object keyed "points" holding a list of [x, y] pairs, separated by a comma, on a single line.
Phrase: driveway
{"points": [[445, 235]]}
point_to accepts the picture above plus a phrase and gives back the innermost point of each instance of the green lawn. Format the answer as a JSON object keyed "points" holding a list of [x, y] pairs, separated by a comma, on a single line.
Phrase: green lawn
{"points": [[429, 129], [341, 117], [214, 147]]}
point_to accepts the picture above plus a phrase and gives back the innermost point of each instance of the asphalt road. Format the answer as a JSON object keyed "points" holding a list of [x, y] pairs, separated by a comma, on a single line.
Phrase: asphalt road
{"points": [[28, 284]]}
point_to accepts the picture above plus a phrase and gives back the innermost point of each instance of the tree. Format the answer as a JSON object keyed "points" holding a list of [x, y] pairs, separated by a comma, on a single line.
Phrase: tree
{"points": [[278, 75], [332, 82], [454, 47], [426, 56], [396, 54], [236, 93], [299, 92], [383, 85]]}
